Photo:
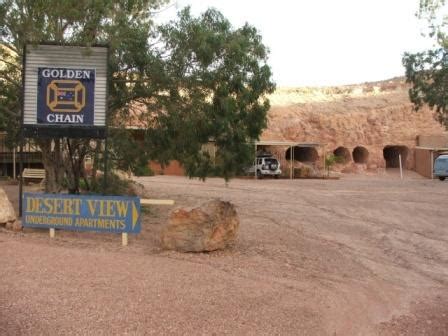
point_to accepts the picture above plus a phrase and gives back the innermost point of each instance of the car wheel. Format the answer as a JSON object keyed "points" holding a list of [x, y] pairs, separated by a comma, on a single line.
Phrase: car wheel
{"points": [[276, 176], [259, 174], [442, 178]]}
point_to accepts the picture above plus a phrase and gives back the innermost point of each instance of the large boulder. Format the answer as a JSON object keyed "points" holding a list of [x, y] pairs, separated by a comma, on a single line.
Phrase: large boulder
{"points": [[212, 226], [7, 214]]}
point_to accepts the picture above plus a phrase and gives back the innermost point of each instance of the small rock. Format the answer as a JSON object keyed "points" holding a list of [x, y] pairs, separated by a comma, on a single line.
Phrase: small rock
{"points": [[212, 226], [17, 226], [14, 226]]}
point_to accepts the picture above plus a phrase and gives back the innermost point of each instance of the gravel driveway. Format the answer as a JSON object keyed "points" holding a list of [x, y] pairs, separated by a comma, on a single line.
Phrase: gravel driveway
{"points": [[363, 255]]}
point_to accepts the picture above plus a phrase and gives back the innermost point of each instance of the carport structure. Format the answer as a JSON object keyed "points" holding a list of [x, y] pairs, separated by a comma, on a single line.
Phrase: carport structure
{"points": [[425, 157], [291, 146]]}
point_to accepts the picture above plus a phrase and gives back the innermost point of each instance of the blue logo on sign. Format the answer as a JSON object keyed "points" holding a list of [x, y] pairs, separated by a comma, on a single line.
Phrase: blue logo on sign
{"points": [[65, 96]]}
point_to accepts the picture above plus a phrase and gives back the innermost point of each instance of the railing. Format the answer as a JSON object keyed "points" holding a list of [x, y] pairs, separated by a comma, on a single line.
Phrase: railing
{"points": [[28, 146], [29, 157]]}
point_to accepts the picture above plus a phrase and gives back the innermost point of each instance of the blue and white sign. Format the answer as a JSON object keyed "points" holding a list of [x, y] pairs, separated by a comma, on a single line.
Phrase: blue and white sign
{"points": [[65, 96], [65, 88], [116, 214]]}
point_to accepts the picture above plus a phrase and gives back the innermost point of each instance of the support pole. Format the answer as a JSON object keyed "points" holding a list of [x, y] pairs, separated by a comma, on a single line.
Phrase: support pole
{"points": [[14, 175], [432, 165], [22, 103], [255, 161], [291, 161], [401, 166], [324, 157], [105, 165], [21, 174], [124, 239]]}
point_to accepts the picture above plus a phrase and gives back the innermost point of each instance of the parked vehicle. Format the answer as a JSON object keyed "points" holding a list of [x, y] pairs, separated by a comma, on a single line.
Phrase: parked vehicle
{"points": [[441, 167], [266, 165]]}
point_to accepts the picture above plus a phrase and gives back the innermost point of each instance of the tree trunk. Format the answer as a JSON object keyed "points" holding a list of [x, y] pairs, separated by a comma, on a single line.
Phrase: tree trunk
{"points": [[53, 164], [74, 163]]}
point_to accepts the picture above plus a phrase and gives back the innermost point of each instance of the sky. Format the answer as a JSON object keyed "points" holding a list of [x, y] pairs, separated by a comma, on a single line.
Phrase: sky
{"points": [[326, 42]]}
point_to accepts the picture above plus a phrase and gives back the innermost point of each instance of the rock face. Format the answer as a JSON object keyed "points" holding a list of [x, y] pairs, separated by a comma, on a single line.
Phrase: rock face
{"points": [[212, 226], [372, 123], [7, 214]]}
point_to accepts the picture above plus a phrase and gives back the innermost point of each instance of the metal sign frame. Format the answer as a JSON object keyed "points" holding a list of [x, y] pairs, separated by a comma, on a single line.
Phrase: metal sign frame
{"points": [[63, 130], [69, 131]]}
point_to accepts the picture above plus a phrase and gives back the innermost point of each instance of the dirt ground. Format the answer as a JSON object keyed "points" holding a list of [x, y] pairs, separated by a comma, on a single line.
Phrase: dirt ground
{"points": [[363, 255]]}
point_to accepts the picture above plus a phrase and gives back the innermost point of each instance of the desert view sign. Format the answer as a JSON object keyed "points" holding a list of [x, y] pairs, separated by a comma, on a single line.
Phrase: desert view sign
{"points": [[65, 90], [117, 214]]}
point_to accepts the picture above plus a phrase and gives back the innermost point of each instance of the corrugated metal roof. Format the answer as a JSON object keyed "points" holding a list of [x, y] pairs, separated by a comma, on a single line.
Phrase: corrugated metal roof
{"points": [[432, 148], [287, 143]]}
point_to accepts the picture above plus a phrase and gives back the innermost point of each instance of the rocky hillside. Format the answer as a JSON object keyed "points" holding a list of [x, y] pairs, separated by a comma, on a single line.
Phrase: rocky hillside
{"points": [[370, 115]]}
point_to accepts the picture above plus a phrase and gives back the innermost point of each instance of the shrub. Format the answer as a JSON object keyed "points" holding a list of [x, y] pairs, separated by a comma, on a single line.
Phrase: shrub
{"points": [[114, 186]]}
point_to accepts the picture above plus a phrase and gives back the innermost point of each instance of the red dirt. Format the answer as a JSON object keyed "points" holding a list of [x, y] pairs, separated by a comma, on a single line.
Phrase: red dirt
{"points": [[355, 256]]}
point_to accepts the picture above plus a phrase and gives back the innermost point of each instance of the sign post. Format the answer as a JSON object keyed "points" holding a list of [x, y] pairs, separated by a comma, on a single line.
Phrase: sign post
{"points": [[124, 239], [64, 94]]}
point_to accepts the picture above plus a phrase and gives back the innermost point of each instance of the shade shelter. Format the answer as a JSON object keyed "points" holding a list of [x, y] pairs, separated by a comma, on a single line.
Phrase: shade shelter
{"points": [[425, 157], [289, 145]]}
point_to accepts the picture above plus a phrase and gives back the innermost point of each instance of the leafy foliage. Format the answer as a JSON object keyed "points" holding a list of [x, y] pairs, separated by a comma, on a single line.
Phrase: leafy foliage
{"points": [[193, 80], [115, 186], [216, 77], [331, 160], [428, 71], [128, 154], [124, 25]]}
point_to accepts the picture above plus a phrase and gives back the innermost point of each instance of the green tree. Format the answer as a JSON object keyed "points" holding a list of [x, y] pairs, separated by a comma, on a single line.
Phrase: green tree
{"points": [[330, 161], [216, 77], [427, 71], [193, 80], [125, 25]]}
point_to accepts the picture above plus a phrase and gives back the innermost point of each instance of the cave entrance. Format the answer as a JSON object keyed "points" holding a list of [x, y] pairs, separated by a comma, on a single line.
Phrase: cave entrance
{"points": [[343, 154], [360, 154], [391, 154], [303, 154]]}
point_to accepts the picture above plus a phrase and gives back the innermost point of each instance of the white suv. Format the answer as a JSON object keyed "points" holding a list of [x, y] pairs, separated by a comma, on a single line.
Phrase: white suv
{"points": [[266, 166]]}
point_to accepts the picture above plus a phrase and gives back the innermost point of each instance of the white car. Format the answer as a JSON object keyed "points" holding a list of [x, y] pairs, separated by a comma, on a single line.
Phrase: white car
{"points": [[441, 167], [266, 166]]}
